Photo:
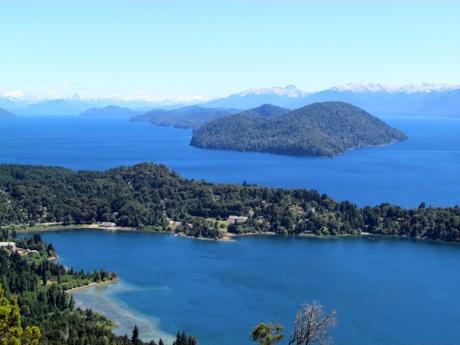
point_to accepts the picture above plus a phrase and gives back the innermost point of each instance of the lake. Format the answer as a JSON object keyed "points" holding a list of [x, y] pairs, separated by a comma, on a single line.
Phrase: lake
{"points": [[424, 168], [385, 291]]}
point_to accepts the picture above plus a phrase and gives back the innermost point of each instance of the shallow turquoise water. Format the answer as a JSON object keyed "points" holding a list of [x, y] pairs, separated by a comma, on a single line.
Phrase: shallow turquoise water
{"points": [[385, 291], [424, 168]]}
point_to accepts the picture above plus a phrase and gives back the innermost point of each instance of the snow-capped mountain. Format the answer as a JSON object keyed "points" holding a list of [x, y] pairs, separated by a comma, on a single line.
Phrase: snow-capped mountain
{"points": [[378, 99], [288, 91], [251, 98], [408, 88]]}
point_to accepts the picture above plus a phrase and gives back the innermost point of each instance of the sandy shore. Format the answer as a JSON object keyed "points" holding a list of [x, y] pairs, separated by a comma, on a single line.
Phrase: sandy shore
{"points": [[60, 227], [93, 284]]}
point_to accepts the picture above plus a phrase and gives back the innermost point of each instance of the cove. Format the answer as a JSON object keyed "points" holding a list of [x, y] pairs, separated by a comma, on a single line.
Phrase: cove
{"points": [[385, 291]]}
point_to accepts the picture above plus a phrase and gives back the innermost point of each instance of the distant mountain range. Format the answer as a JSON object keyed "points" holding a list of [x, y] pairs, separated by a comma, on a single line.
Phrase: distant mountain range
{"points": [[416, 100], [378, 99], [185, 117], [110, 111], [319, 129], [5, 114]]}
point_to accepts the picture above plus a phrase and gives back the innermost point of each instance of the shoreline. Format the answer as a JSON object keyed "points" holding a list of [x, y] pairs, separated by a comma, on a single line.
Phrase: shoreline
{"points": [[228, 237], [46, 227], [92, 284], [100, 298]]}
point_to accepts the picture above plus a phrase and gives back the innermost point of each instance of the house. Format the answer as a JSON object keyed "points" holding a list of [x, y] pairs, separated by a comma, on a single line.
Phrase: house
{"points": [[8, 245], [108, 225], [11, 247], [236, 219]]}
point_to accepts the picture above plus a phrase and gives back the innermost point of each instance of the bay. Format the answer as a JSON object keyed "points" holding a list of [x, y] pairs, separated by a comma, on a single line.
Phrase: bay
{"points": [[385, 291]]}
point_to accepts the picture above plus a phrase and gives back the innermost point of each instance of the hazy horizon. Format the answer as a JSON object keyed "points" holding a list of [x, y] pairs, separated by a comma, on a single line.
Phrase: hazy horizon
{"points": [[161, 50]]}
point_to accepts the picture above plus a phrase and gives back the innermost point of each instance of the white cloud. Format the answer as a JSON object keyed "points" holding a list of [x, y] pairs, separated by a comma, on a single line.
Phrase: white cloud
{"points": [[14, 94]]}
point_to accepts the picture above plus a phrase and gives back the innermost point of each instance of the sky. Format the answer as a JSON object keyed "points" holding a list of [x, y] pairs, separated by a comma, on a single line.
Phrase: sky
{"points": [[186, 49]]}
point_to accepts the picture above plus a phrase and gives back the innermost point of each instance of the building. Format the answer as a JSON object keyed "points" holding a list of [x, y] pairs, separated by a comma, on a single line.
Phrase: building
{"points": [[108, 225], [8, 245], [11, 247], [236, 219]]}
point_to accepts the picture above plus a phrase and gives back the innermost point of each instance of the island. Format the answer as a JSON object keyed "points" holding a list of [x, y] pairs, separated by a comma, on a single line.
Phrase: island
{"points": [[318, 129], [5, 114], [186, 117], [151, 197]]}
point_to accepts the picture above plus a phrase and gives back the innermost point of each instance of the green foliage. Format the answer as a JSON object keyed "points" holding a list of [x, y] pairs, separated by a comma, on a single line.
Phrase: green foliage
{"points": [[267, 333], [48, 312], [147, 196], [319, 129], [11, 329]]}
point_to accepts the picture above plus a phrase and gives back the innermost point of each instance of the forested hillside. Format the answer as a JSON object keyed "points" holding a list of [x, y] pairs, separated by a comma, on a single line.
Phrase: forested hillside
{"points": [[36, 310], [319, 129], [152, 197]]}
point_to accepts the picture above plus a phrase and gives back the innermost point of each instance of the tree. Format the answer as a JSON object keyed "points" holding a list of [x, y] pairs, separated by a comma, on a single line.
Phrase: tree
{"points": [[11, 331], [312, 325], [135, 336], [267, 333]]}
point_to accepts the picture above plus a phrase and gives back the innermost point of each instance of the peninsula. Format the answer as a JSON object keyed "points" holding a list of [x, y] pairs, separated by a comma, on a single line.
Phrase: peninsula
{"points": [[153, 198]]}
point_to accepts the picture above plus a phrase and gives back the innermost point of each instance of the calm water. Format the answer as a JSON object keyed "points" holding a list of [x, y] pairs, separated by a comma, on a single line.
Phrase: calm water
{"points": [[385, 291], [424, 168]]}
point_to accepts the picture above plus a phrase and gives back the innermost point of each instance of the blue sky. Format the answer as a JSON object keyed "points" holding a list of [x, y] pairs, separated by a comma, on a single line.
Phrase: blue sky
{"points": [[211, 48]]}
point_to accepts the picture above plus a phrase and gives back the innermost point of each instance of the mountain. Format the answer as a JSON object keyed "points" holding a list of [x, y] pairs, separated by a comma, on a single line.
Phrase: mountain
{"points": [[265, 110], [280, 96], [319, 129], [185, 117], [4, 114], [110, 111], [56, 107], [413, 99]]}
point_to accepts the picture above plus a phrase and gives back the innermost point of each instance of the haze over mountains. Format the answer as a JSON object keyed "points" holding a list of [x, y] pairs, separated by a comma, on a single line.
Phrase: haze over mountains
{"points": [[423, 99], [186, 117], [110, 110], [5, 114]]}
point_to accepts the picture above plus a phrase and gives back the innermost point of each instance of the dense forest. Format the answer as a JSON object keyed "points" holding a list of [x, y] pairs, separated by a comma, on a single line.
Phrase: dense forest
{"points": [[185, 117], [35, 308], [319, 129], [152, 197]]}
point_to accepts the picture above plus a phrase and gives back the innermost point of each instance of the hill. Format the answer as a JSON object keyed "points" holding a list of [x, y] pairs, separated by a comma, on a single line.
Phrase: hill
{"points": [[319, 129], [110, 110], [4, 114], [265, 110], [185, 117]]}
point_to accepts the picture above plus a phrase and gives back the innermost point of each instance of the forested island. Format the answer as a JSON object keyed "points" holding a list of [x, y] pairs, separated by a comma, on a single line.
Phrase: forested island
{"points": [[153, 198], [318, 129], [185, 117]]}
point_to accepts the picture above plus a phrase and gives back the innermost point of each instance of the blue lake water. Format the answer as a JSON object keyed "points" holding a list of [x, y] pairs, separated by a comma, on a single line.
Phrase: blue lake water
{"points": [[424, 168], [385, 292]]}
